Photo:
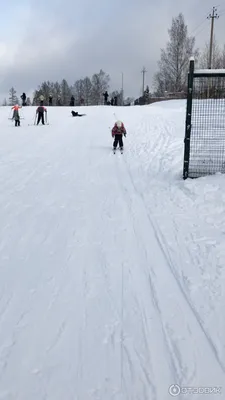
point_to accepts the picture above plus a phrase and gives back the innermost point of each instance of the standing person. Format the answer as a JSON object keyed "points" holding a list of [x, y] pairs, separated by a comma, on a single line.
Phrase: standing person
{"points": [[115, 100], [105, 97], [16, 115], [23, 97], [72, 101], [117, 133], [40, 114], [50, 100]]}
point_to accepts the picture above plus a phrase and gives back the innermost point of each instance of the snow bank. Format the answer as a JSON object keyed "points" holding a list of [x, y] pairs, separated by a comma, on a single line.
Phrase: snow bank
{"points": [[111, 266]]}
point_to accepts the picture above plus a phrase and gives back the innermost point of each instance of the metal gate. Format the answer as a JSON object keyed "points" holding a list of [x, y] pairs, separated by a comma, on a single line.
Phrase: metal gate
{"points": [[204, 143]]}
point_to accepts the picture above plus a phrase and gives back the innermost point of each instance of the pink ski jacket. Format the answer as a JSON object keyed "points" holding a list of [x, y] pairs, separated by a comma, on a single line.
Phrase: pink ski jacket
{"points": [[118, 130]]}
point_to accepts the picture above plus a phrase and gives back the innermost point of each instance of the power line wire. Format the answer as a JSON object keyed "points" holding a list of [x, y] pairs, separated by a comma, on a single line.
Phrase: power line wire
{"points": [[201, 30], [199, 25]]}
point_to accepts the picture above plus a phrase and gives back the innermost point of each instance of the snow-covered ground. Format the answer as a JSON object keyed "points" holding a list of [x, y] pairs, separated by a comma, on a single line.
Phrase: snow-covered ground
{"points": [[112, 268]]}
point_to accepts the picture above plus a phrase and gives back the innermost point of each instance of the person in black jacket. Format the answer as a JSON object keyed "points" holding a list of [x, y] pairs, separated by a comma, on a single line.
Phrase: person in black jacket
{"points": [[76, 114], [105, 97], [40, 114], [72, 101], [50, 100], [23, 97]]}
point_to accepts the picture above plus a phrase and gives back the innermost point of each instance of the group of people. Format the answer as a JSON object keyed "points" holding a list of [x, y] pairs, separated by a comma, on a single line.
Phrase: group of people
{"points": [[59, 102], [40, 112], [112, 102], [118, 130]]}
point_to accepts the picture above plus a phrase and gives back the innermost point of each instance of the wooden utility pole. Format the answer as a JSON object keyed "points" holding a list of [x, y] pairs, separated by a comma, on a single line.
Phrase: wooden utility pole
{"points": [[143, 72], [212, 17]]}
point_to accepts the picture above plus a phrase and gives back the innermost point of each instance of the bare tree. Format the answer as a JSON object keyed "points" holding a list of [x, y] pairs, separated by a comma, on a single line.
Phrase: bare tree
{"points": [[57, 92], [4, 103], [65, 93], [217, 57], [174, 61], [13, 99], [87, 91], [79, 91], [100, 83]]}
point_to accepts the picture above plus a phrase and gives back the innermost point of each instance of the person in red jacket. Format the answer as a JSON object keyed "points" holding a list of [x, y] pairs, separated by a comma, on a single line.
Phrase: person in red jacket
{"points": [[16, 115], [40, 114], [117, 133]]}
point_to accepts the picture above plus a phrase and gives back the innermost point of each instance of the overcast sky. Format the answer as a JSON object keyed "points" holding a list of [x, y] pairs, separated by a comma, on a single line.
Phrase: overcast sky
{"points": [[56, 39]]}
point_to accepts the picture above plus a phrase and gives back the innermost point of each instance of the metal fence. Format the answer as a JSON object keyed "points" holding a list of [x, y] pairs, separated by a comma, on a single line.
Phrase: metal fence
{"points": [[204, 150]]}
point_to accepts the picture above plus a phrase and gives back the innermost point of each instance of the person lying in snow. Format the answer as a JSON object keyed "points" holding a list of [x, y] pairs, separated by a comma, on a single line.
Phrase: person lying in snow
{"points": [[117, 133], [76, 114]]}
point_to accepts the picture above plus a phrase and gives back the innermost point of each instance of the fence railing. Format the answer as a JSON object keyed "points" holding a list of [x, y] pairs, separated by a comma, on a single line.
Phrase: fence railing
{"points": [[204, 143]]}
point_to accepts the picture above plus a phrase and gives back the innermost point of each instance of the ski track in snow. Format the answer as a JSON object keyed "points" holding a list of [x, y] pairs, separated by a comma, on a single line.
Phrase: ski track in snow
{"points": [[102, 292]]}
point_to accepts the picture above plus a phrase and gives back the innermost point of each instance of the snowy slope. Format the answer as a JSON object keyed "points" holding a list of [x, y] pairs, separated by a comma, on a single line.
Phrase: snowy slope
{"points": [[111, 266]]}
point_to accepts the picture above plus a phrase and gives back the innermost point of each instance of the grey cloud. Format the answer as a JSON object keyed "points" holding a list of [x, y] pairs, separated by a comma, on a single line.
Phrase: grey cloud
{"points": [[71, 39]]}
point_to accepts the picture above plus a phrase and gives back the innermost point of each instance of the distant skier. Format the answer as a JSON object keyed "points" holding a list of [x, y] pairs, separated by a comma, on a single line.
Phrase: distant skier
{"points": [[50, 100], [105, 97], [23, 97], [72, 101], [76, 114], [40, 114], [117, 133], [16, 115]]}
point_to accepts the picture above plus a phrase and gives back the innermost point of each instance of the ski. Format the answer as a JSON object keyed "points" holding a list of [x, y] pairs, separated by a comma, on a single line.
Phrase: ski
{"points": [[121, 151], [38, 125]]}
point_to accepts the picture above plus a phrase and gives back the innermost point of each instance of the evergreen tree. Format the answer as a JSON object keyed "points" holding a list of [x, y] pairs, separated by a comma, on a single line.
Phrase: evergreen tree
{"points": [[13, 99]]}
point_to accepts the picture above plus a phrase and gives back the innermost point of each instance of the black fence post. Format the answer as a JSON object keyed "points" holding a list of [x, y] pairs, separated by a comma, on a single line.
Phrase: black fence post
{"points": [[188, 120]]}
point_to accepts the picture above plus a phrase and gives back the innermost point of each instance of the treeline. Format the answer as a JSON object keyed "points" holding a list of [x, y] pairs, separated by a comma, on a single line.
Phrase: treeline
{"points": [[87, 91]]}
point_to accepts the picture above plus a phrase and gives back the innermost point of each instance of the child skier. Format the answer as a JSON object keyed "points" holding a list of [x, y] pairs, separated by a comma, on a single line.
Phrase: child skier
{"points": [[16, 115], [40, 113], [117, 133]]}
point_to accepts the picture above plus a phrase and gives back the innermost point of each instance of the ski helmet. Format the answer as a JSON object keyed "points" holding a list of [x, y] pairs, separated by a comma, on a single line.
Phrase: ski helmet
{"points": [[119, 124]]}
